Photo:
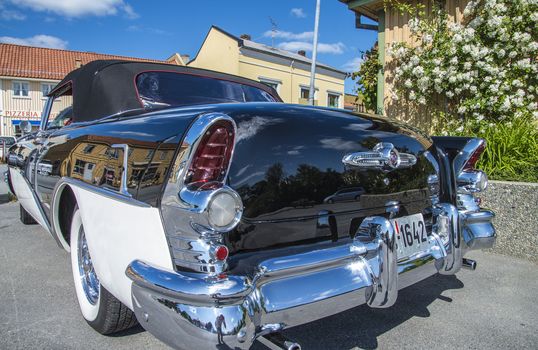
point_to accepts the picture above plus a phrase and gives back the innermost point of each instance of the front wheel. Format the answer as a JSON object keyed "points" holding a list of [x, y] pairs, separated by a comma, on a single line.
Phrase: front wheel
{"points": [[100, 309]]}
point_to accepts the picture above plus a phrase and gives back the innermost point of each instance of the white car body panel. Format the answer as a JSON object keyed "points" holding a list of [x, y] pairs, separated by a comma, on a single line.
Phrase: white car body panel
{"points": [[26, 197], [118, 233]]}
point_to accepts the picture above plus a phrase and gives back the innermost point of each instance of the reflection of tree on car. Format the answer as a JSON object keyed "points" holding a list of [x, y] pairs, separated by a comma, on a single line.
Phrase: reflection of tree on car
{"points": [[346, 194]]}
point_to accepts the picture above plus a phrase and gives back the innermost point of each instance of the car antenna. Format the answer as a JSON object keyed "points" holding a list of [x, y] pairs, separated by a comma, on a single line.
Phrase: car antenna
{"points": [[274, 27]]}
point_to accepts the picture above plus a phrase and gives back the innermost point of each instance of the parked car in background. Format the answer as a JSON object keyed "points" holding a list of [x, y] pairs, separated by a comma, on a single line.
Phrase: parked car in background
{"points": [[195, 203], [5, 143]]}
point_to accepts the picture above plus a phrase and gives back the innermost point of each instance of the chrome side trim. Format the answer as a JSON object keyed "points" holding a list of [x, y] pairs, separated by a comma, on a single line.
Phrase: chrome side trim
{"points": [[123, 185]]}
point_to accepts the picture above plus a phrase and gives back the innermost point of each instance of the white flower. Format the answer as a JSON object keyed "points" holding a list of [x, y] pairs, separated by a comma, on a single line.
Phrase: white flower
{"points": [[418, 71], [459, 129], [412, 95], [408, 83], [462, 109], [532, 106], [414, 24], [422, 100]]}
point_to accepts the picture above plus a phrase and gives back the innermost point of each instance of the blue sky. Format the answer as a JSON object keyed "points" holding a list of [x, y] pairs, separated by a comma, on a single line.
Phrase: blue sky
{"points": [[156, 29]]}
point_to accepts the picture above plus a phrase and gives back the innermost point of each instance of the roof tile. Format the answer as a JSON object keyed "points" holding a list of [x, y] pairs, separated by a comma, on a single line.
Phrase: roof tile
{"points": [[43, 63]]}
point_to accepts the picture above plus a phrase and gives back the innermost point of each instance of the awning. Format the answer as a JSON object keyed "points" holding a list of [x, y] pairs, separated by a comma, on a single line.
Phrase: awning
{"points": [[32, 122]]}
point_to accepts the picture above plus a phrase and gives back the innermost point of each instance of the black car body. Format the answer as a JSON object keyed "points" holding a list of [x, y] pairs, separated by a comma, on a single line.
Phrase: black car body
{"points": [[209, 208]]}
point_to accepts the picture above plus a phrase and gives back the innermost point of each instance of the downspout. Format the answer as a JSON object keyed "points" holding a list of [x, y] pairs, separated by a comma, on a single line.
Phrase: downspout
{"points": [[2, 108], [381, 56], [291, 81]]}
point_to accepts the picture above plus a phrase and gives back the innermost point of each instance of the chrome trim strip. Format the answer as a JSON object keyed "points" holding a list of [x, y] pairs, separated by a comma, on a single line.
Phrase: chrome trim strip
{"points": [[123, 185]]}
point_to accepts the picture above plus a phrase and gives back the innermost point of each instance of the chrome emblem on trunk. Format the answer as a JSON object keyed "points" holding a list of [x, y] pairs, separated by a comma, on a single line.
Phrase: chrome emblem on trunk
{"points": [[382, 157]]}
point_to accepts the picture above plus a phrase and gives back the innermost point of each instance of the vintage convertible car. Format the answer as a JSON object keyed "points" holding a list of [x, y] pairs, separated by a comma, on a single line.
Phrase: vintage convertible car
{"points": [[194, 202]]}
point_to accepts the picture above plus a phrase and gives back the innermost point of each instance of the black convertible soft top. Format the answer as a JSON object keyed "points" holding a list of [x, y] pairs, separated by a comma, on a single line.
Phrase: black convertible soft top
{"points": [[106, 87]]}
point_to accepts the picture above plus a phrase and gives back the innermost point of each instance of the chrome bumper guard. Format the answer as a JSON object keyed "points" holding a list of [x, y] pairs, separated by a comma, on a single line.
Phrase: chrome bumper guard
{"points": [[194, 311]]}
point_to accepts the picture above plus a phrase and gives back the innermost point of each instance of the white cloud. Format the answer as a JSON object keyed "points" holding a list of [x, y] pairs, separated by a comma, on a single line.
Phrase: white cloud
{"points": [[36, 40], [294, 46], [352, 65], [298, 12], [289, 35], [8, 15], [79, 8]]}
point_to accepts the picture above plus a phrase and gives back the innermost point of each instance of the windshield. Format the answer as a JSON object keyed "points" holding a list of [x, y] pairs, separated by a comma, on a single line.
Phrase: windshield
{"points": [[163, 89]]}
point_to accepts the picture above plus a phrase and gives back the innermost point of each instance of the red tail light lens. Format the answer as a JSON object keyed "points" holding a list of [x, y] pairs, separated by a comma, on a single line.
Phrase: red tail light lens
{"points": [[212, 156], [473, 159]]}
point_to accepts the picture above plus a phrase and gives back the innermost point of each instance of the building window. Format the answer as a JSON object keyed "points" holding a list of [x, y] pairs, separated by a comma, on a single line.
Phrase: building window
{"points": [[163, 155], [333, 100], [275, 84], [88, 149], [21, 89], [305, 93], [46, 88]]}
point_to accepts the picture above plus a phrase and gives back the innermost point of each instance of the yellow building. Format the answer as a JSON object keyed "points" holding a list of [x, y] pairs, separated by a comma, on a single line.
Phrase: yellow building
{"points": [[287, 72], [392, 27]]}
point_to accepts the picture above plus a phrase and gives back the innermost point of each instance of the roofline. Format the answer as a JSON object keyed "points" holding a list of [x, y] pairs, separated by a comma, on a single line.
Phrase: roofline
{"points": [[231, 36], [85, 52], [324, 66], [240, 43], [357, 6]]}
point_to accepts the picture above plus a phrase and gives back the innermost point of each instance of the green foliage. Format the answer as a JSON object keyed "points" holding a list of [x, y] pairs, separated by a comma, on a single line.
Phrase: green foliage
{"points": [[511, 147], [480, 75], [366, 77]]}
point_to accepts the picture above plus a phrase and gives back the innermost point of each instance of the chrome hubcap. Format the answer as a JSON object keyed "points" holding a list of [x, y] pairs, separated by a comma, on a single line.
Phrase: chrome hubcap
{"points": [[88, 277]]}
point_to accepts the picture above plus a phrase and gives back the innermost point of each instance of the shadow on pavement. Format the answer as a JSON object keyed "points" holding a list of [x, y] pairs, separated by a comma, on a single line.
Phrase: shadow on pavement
{"points": [[362, 325]]}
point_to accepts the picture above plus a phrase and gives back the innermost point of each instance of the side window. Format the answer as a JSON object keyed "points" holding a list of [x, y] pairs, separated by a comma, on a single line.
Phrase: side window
{"points": [[61, 112]]}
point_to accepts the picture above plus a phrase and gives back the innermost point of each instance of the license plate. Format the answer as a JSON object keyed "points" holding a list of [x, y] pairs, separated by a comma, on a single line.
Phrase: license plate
{"points": [[411, 235]]}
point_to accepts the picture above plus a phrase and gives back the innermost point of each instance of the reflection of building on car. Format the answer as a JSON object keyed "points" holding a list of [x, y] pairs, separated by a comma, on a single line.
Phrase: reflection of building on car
{"points": [[346, 194]]}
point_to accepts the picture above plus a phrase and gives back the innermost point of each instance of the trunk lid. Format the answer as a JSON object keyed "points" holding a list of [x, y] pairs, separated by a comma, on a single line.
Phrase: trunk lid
{"points": [[287, 166]]}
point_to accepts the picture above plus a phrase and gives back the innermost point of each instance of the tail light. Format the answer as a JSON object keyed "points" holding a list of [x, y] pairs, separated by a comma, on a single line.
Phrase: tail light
{"points": [[475, 156], [213, 153]]}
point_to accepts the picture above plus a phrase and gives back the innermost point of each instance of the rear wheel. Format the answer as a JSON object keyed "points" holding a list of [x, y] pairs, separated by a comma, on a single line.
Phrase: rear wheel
{"points": [[100, 309], [26, 218]]}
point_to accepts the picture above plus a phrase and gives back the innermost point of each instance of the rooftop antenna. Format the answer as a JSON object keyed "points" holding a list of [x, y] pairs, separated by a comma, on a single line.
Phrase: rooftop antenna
{"points": [[274, 27]]}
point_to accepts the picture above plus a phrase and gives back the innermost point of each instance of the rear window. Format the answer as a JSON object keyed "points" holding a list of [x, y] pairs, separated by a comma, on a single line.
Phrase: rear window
{"points": [[162, 89]]}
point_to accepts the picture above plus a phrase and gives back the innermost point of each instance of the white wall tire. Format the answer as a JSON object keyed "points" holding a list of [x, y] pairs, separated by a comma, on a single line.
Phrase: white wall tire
{"points": [[101, 310], [89, 309]]}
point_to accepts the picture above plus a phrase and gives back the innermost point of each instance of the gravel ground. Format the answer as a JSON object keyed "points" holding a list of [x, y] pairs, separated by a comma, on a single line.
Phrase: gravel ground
{"points": [[493, 307]]}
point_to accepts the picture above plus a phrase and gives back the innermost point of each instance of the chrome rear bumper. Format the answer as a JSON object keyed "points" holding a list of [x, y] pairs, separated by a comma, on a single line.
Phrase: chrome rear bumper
{"points": [[194, 311]]}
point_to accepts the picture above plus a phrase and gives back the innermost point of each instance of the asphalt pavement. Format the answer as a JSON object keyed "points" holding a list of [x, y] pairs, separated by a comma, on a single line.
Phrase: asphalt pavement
{"points": [[491, 308]]}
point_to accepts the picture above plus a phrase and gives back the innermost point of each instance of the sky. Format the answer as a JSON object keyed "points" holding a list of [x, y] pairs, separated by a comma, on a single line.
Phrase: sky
{"points": [[156, 29]]}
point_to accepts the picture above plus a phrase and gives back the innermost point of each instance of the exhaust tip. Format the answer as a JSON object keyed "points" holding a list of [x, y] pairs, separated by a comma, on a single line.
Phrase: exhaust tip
{"points": [[277, 341], [469, 264]]}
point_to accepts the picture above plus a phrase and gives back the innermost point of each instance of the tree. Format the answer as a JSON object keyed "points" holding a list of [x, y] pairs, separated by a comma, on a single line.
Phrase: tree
{"points": [[366, 77]]}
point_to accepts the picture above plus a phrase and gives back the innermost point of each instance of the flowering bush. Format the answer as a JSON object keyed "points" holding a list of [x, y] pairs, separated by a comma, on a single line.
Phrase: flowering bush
{"points": [[484, 69], [481, 76]]}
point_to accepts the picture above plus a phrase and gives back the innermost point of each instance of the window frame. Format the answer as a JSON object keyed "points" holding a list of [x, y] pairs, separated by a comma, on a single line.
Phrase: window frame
{"points": [[13, 82], [335, 94], [270, 82], [52, 85]]}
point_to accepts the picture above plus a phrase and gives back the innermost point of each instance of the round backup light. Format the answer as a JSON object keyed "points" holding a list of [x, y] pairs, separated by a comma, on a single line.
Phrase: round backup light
{"points": [[224, 210], [221, 253]]}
